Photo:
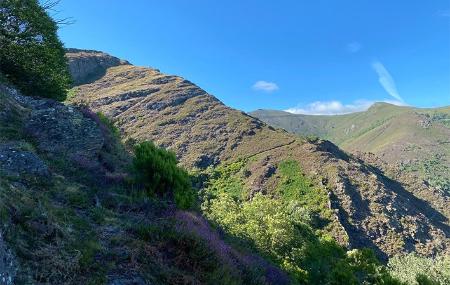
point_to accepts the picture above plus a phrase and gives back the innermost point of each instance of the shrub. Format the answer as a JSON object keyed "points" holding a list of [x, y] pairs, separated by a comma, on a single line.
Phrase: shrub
{"points": [[156, 169], [31, 55], [414, 269], [280, 228]]}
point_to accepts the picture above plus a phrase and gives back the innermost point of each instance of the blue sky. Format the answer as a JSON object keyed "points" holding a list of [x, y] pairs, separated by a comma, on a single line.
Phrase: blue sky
{"points": [[317, 57]]}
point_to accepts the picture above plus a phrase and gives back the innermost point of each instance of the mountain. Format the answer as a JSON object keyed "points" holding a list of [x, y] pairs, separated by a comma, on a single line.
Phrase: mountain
{"points": [[272, 204], [361, 206], [408, 139]]}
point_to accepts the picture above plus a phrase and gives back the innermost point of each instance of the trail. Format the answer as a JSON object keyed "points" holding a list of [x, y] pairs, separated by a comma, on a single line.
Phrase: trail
{"points": [[272, 148]]}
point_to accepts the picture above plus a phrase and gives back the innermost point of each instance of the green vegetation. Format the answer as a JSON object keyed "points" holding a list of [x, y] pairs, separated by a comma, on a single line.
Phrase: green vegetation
{"points": [[295, 187], [415, 270], [108, 124], [415, 138], [54, 241], [281, 229], [156, 169], [433, 169], [74, 227], [31, 55], [91, 223]]}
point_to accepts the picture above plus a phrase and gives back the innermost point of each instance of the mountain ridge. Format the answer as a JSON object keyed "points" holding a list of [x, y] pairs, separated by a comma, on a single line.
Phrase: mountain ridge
{"points": [[409, 138], [148, 105]]}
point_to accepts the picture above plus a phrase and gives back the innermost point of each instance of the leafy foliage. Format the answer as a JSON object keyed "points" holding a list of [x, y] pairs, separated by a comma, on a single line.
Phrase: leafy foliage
{"points": [[294, 186], [31, 55], [413, 269], [280, 229], [156, 168]]}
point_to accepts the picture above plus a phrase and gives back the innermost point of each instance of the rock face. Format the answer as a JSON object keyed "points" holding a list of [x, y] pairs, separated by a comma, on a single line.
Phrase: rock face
{"points": [[16, 162], [88, 65], [370, 209], [59, 131], [63, 131]]}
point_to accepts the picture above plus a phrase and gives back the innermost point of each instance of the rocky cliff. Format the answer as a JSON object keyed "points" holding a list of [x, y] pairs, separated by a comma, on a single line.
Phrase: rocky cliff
{"points": [[88, 65]]}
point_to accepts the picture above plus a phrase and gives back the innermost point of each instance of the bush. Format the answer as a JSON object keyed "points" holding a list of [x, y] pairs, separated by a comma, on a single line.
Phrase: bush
{"points": [[280, 228], [156, 169], [416, 270], [31, 55]]}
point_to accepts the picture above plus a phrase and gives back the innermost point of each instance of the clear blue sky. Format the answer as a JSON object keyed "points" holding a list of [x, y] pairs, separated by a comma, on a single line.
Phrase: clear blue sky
{"points": [[307, 56]]}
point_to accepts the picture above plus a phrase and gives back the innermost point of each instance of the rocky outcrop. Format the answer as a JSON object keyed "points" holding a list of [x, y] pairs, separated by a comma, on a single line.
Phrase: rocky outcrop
{"points": [[88, 65], [62, 131], [57, 130], [15, 161]]}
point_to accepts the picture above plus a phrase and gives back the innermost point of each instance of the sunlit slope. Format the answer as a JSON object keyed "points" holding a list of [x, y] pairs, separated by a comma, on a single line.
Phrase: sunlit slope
{"points": [[361, 207], [410, 138]]}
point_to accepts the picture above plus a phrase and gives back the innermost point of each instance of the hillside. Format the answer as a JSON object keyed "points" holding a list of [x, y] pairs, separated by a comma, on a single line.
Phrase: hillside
{"points": [[117, 174], [409, 139], [360, 206], [69, 216]]}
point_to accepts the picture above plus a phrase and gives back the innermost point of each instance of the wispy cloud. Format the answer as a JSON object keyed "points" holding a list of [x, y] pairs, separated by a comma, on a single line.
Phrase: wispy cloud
{"points": [[386, 80], [336, 107], [265, 86], [354, 47]]}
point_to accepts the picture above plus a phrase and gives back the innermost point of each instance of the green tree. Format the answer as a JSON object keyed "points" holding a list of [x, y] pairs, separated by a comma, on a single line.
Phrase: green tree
{"points": [[31, 55], [156, 168]]}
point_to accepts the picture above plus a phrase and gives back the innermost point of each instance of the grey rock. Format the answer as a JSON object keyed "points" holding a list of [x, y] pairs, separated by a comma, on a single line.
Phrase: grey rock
{"points": [[63, 131], [17, 162]]}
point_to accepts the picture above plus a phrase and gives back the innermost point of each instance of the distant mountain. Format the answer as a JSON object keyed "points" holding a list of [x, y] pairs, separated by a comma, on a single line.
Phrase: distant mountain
{"points": [[411, 140], [368, 209]]}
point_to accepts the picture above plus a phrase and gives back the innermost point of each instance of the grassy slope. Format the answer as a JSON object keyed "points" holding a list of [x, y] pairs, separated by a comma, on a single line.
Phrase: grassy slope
{"points": [[83, 224], [410, 138], [149, 105]]}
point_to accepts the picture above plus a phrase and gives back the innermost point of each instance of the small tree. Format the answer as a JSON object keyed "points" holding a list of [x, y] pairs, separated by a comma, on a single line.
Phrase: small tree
{"points": [[156, 168], [31, 55]]}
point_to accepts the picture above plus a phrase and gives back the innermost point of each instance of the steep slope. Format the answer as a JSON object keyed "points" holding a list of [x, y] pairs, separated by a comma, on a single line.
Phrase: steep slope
{"points": [[365, 207], [67, 215], [411, 139]]}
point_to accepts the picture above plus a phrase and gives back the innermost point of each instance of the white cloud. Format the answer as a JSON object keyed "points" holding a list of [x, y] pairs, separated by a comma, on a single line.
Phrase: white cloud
{"points": [[265, 86], [336, 107], [354, 47], [386, 80], [330, 108]]}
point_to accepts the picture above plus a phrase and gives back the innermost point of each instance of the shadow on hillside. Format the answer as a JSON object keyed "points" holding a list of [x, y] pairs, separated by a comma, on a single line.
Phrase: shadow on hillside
{"points": [[420, 206], [357, 238], [436, 218], [357, 200], [92, 76]]}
